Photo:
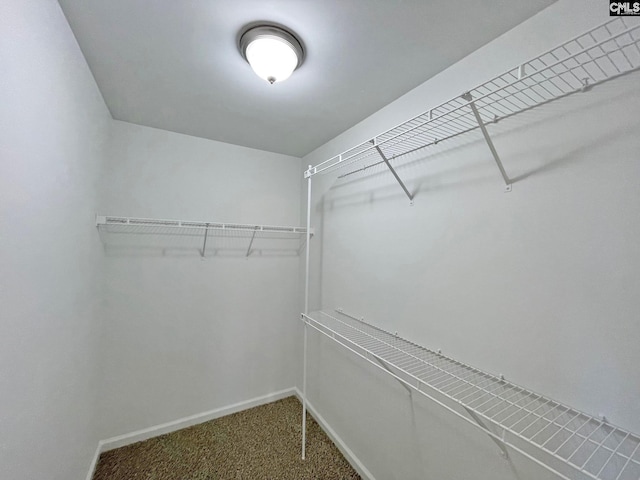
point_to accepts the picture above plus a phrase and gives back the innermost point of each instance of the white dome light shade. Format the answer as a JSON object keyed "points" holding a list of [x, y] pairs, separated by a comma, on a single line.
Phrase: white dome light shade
{"points": [[273, 53], [271, 58]]}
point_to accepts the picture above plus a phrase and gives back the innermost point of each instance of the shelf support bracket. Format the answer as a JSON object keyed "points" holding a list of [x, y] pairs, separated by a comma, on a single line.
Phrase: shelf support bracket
{"points": [[386, 161], [251, 242], [479, 421], [380, 361], [386, 367], [204, 244], [467, 96]]}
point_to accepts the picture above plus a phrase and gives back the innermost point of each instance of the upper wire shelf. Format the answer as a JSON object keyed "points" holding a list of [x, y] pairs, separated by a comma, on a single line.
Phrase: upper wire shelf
{"points": [[570, 443], [200, 237], [601, 54]]}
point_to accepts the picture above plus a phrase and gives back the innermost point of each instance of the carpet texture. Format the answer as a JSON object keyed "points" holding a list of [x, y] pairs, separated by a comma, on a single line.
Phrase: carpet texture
{"points": [[259, 443]]}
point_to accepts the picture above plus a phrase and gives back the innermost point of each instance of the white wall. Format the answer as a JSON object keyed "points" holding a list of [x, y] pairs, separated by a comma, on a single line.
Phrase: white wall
{"points": [[185, 335], [53, 128], [539, 284]]}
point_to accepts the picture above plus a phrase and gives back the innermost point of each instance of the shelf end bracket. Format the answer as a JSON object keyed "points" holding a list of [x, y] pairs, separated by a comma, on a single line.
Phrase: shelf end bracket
{"points": [[467, 96], [386, 161]]}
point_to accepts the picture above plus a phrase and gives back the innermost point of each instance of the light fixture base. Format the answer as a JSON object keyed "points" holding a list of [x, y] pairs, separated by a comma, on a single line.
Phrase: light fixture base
{"points": [[269, 32]]}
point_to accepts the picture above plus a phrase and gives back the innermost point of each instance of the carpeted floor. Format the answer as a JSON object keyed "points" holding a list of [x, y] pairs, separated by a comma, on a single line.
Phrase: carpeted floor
{"points": [[260, 443]]}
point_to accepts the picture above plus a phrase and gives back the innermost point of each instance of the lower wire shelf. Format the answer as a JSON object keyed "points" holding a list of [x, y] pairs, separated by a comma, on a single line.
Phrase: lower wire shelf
{"points": [[569, 443]]}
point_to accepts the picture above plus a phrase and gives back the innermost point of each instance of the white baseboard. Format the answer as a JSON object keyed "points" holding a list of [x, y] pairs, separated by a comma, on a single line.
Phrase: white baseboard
{"points": [[344, 449], [94, 461], [155, 431], [147, 433]]}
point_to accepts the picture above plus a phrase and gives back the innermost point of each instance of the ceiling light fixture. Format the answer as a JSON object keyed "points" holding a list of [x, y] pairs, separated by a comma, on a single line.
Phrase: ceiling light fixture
{"points": [[273, 52]]}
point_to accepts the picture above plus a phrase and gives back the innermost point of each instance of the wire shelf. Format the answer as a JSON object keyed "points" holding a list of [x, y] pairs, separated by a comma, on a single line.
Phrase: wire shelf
{"points": [[202, 237], [570, 443], [601, 54]]}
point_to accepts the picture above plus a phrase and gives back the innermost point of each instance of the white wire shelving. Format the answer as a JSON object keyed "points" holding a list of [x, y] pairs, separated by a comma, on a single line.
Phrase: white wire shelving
{"points": [[213, 238], [563, 440], [598, 55], [570, 443]]}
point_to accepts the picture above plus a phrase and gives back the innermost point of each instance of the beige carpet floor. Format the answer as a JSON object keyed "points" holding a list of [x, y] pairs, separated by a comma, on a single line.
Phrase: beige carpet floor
{"points": [[259, 443]]}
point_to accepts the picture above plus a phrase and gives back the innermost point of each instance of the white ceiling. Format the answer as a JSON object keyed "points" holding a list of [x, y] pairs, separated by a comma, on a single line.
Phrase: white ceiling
{"points": [[174, 64]]}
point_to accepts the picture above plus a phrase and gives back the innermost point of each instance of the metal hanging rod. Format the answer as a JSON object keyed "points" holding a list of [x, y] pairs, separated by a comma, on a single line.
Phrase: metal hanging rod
{"points": [[601, 54], [559, 438]]}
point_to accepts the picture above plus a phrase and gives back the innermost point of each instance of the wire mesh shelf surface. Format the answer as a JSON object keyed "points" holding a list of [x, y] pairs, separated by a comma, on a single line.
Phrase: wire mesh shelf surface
{"points": [[181, 227], [603, 53], [196, 236], [568, 442]]}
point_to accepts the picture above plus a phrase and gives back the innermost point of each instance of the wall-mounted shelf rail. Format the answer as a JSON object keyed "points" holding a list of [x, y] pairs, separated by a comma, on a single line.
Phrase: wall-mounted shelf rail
{"points": [[571, 444], [601, 54], [203, 238]]}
